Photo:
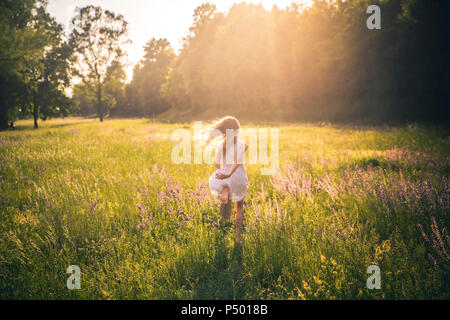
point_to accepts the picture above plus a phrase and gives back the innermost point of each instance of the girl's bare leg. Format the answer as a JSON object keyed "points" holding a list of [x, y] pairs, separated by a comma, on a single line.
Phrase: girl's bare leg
{"points": [[239, 220], [225, 203]]}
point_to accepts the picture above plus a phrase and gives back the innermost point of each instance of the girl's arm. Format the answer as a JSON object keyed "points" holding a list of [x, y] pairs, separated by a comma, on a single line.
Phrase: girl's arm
{"points": [[235, 164], [218, 164], [210, 138]]}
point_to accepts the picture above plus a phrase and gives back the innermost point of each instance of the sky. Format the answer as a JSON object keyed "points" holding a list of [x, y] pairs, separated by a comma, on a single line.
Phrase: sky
{"points": [[169, 19]]}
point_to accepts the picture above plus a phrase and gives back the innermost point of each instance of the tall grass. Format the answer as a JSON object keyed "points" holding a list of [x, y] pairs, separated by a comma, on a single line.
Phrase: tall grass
{"points": [[107, 197]]}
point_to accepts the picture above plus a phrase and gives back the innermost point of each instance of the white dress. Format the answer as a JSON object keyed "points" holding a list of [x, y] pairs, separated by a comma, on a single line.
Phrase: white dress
{"points": [[237, 182]]}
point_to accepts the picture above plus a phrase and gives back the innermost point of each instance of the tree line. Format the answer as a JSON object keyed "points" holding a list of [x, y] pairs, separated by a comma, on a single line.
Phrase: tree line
{"points": [[318, 62], [39, 62]]}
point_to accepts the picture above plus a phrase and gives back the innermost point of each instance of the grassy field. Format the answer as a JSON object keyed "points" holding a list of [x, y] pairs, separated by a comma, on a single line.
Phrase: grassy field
{"points": [[107, 197]]}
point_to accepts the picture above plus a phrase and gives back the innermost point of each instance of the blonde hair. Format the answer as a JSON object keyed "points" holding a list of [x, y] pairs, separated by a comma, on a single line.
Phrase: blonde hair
{"points": [[226, 123], [222, 125]]}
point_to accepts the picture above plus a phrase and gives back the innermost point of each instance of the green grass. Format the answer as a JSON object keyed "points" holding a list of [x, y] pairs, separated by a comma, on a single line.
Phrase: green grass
{"points": [[104, 196]]}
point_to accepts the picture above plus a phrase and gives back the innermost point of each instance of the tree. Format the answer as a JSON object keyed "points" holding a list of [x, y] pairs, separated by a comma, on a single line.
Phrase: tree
{"points": [[149, 76], [56, 78], [48, 75], [22, 44], [315, 62], [115, 86], [83, 99], [187, 84], [33, 62], [98, 37]]}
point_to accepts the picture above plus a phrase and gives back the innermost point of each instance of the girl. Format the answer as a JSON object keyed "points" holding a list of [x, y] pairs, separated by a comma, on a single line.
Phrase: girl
{"points": [[229, 181]]}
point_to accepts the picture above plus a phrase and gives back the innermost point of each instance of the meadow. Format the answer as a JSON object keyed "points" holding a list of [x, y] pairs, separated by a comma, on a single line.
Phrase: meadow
{"points": [[107, 198]]}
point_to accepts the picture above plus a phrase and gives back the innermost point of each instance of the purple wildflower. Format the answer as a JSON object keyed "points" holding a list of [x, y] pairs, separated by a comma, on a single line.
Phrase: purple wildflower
{"points": [[424, 235], [142, 209], [145, 217], [431, 258], [94, 205], [435, 227], [161, 197], [3, 163], [184, 215], [40, 170]]}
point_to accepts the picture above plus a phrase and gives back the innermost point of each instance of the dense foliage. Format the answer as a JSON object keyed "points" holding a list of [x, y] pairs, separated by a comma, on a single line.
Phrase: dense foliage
{"points": [[34, 63], [316, 63], [98, 38]]}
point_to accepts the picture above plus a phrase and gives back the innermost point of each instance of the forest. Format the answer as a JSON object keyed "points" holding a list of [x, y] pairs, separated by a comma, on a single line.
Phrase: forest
{"points": [[318, 62]]}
